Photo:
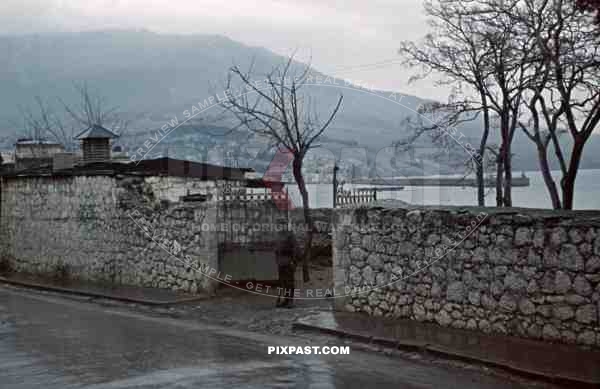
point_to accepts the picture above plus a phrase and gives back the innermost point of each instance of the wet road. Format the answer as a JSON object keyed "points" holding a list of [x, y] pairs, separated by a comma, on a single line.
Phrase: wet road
{"points": [[50, 342]]}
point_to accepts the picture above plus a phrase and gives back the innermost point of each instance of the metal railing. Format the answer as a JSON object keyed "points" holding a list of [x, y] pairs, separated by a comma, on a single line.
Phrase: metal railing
{"points": [[346, 198]]}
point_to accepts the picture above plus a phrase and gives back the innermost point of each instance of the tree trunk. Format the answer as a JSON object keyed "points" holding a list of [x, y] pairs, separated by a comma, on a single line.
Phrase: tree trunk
{"points": [[481, 161], [506, 158], [480, 172], [308, 224], [499, 174], [568, 190], [507, 176], [547, 175], [568, 180], [480, 184]]}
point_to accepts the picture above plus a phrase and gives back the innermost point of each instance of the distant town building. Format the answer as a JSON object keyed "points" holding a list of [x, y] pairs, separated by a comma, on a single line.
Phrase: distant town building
{"points": [[7, 161], [35, 153]]}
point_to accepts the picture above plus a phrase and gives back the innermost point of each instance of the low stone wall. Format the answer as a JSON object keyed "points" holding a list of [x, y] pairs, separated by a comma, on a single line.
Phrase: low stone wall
{"points": [[105, 228], [526, 273], [169, 188], [122, 228], [322, 218]]}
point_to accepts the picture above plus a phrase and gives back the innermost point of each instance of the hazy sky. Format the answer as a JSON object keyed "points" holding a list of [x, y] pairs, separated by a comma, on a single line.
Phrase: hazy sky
{"points": [[339, 36]]}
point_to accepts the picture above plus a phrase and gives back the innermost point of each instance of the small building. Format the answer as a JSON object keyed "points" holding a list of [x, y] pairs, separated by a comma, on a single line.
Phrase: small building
{"points": [[35, 153], [7, 161], [95, 143]]}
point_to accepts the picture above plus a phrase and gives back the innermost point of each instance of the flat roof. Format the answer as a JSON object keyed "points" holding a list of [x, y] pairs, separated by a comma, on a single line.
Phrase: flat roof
{"points": [[27, 141], [150, 167]]}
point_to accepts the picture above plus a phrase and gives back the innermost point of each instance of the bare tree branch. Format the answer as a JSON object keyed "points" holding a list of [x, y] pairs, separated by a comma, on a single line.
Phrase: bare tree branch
{"points": [[280, 113]]}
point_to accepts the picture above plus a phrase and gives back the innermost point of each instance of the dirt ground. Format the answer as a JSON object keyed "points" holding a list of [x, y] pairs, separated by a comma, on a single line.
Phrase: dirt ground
{"points": [[242, 309]]}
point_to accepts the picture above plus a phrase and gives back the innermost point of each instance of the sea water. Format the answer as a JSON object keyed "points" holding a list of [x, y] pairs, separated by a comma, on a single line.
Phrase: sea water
{"points": [[587, 193]]}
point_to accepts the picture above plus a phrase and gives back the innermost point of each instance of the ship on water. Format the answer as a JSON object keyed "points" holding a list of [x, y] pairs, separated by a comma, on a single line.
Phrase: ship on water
{"points": [[489, 181]]}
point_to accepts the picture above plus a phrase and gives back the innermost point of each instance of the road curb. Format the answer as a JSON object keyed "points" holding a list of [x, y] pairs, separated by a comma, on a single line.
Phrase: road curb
{"points": [[448, 354], [79, 292]]}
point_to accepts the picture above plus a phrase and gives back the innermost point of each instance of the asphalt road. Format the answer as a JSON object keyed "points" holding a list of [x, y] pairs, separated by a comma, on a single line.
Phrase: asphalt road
{"points": [[51, 342]]}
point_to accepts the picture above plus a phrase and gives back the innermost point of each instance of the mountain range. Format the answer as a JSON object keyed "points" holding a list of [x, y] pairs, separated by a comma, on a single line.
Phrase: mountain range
{"points": [[153, 78]]}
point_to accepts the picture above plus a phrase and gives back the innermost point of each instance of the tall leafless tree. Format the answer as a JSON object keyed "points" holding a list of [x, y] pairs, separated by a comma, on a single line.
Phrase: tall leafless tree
{"points": [[510, 62], [92, 108], [539, 71], [277, 108], [564, 92], [44, 120], [440, 122], [455, 49]]}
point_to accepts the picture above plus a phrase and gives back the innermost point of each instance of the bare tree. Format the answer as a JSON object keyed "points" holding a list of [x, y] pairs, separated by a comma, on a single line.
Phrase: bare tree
{"points": [[44, 121], [563, 97], [455, 49], [510, 62], [440, 123], [277, 108], [545, 79], [93, 109]]}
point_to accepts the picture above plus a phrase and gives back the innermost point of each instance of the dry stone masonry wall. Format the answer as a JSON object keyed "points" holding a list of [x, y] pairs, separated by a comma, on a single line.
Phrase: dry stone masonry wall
{"points": [[106, 228], [526, 273], [322, 218], [134, 230]]}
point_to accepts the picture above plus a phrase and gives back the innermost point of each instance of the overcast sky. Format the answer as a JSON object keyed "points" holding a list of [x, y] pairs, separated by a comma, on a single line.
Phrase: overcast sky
{"points": [[339, 35]]}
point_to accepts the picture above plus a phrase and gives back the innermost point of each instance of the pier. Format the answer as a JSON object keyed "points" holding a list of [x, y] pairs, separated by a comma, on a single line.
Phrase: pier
{"points": [[489, 182]]}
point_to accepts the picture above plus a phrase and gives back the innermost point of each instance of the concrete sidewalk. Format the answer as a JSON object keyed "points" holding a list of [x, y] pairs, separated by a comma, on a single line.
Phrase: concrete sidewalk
{"points": [[132, 294], [556, 363]]}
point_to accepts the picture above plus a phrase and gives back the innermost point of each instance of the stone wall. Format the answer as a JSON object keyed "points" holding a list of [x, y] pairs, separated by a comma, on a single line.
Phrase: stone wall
{"points": [[322, 218], [172, 188], [105, 228], [120, 229], [526, 273]]}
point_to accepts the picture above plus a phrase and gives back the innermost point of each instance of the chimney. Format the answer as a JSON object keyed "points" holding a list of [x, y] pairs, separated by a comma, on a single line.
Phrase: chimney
{"points": [[95, 144]]}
